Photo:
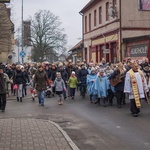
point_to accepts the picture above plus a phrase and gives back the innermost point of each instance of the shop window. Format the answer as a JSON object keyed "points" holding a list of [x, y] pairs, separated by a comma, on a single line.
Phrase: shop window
{"points": [[101, 52], [97, 54]]}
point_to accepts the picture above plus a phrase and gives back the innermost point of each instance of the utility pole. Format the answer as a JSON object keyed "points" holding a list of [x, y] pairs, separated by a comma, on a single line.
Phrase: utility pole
{"points": [[22, 43]]}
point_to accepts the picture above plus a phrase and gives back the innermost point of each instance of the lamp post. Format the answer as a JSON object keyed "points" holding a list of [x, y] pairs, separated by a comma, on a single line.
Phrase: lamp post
{"points": [[22, 39]]}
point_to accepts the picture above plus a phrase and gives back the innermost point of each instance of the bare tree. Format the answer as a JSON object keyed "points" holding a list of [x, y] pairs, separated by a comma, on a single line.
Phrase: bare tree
{"points": [[46, 34]]}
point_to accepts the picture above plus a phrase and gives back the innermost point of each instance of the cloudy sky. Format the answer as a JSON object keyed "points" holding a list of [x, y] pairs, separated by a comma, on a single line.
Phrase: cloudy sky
{"points": [[67, 10]]}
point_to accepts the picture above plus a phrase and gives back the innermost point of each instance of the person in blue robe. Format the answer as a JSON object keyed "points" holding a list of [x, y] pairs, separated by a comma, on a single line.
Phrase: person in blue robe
{"points": [[101, 87], [111, 89], [90, 82]]}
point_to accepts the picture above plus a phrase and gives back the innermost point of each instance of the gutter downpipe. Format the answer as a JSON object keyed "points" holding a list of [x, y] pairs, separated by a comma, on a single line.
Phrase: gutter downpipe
{"points": [[120, 28], [82, 34]]}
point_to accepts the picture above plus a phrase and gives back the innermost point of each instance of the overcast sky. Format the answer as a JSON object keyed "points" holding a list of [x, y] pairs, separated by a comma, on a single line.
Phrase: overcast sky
{"points": [[67, 10]]}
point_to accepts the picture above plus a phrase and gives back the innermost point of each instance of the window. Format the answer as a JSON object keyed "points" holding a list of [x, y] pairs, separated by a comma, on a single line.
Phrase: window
{"points": [[95, 17], [114, 3], [107, 9], [100, 15], [85, 23], [89, 22]]}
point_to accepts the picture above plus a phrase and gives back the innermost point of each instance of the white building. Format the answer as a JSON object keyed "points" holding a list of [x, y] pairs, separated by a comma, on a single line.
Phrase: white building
{"points": [[16, 54]]}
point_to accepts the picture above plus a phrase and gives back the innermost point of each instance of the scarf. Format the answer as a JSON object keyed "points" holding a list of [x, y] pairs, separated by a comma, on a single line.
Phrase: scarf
{"points": [[135, 87]]}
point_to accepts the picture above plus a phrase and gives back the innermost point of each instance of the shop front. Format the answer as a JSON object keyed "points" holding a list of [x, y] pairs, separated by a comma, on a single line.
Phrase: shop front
{"points": [[137, 48], [105, 47]]}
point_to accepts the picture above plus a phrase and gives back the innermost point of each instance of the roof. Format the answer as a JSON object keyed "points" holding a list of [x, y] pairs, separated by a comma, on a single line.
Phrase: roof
{"points": [[87, 5], [78, 45]]}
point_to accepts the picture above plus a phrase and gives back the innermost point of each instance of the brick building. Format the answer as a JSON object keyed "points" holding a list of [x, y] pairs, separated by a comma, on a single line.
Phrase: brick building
{"points": [[6, 33], [109, 26]]}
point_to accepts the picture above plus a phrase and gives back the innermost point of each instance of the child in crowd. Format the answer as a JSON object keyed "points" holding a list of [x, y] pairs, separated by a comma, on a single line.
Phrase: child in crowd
{"points": [[90, 82], [59, 87], [102, 87], [32, 91], [72, 84]]}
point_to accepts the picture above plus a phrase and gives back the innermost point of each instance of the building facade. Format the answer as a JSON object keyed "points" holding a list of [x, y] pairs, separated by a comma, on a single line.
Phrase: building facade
{"points": [[76, 52], [106, 23], [6, 34]]}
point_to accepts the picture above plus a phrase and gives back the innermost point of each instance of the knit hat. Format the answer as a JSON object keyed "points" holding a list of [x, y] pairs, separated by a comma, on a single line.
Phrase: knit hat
{"points": [[93, 69], [73, 72]]}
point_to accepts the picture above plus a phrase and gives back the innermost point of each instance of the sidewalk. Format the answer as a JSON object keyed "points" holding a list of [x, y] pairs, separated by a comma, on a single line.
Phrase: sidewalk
{"points": [[33, 134]]}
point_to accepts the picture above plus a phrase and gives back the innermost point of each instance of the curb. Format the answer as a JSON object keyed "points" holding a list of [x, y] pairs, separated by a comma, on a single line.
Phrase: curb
{"points": [[14, 98], [70, 142]]}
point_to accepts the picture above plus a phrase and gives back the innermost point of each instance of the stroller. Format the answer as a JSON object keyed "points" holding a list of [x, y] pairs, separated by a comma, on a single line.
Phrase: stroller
{"points": [[49, 91]]}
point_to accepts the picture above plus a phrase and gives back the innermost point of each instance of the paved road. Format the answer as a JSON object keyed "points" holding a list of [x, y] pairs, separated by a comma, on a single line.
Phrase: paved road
{"points": [[90, 126]]}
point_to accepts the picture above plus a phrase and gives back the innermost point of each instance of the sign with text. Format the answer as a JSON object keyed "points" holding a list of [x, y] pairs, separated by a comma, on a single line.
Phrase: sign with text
{"points": [[106, 51], [139, 50], [144, 4], [4, 1]]}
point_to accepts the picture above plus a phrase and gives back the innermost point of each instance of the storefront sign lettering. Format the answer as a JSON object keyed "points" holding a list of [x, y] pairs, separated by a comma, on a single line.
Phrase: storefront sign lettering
{"points": [[106, 51], [139, 50]]}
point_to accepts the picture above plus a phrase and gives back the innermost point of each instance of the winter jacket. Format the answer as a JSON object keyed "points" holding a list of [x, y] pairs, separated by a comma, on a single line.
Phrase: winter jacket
{"points": [[53, 74], [4, 79], [40, 81], [69, 70], [64, 74], [59, 84], [26, 77], [83, 76], [73, 82], [9, 72], [32, 71], [18, 77], [48, 72]]}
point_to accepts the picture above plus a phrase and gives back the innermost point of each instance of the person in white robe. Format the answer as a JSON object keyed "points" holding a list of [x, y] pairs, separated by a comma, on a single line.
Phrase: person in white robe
{"points": [[136, 87]]}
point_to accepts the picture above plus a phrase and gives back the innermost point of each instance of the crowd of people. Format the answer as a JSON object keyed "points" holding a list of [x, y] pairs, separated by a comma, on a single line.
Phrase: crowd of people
{"points": [[102, 81]]}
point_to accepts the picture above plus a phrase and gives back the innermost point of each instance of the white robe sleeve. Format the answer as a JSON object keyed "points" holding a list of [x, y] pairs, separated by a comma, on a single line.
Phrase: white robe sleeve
{"points": [[145, 85], [127, 85]]}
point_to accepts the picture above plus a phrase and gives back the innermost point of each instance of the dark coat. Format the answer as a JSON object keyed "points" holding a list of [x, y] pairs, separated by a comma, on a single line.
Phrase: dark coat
{"points": [[18, 77], [4, 79], [48, 72], [69, 70], [9, 72], [83, 76], [26, 77], [119, 86], [64, 74], [40, 81], [53, 74]]}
